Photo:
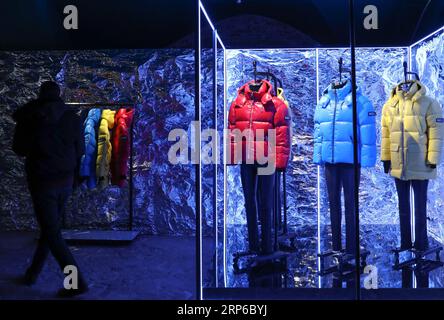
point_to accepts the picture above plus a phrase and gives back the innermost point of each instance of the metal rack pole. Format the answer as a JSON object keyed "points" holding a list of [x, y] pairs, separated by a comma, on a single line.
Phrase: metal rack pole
{"points": [[284, 182], [131, 165]]}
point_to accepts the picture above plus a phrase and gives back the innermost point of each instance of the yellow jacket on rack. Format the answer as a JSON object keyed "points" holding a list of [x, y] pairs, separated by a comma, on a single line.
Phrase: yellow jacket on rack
{"points": [[412, 133], [104, 148]]}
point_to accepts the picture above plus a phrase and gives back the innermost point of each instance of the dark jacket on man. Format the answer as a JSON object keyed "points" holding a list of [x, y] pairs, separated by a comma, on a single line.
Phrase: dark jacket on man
{"points": [[49, 135]]}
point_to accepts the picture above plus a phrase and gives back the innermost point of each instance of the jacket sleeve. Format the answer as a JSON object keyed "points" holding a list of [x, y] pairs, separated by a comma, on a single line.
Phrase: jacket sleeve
{"points": [[282, 124], [367, 132], [435, 132], [317, 151], [385, 133], [231, 145]]}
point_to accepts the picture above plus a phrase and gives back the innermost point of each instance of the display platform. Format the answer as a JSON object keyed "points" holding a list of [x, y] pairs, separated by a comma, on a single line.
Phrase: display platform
{"points": [[99, 236], [278, 294]]}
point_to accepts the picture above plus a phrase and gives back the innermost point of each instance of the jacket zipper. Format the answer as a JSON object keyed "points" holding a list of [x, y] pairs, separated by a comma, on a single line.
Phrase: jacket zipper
{"points": [[333, 132], [251, 111], [402, 140]]}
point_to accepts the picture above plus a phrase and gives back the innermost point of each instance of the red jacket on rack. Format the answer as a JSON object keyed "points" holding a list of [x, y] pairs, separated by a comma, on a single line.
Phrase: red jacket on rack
{"points": [[121, 146], [255, 109]]}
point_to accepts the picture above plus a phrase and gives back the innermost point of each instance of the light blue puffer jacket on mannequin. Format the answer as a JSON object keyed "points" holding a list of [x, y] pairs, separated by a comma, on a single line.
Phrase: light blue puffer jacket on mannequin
{"points": [[333, 136]]}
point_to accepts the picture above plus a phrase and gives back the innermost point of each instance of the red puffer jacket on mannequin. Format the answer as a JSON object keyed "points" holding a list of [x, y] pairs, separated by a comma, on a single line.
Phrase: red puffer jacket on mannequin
{"points": [[121, 146], [256, 108]]}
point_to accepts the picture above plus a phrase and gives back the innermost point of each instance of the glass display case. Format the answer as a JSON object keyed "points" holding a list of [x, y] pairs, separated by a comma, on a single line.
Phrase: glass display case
{"points": [[269, 233], [309, 231], [401, 199]]}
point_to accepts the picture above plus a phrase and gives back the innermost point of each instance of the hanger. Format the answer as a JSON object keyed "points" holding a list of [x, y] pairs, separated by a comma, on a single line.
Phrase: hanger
{"points": [[407, 84], [340, 84], [257, 84], [268, 74]]}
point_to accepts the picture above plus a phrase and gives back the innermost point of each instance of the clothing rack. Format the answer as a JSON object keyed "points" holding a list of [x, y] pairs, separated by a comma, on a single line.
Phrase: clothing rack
{"points": [[111, 236]]}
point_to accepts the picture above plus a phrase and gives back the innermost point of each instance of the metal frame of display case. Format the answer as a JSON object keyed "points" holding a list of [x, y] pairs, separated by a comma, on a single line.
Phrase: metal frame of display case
{"points": [[311, 293]]}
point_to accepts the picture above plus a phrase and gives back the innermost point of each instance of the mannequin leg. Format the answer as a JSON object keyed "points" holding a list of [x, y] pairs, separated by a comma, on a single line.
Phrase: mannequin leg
{"points": [[407, 278], [249, 184], [403, 190], [334, 198], [420, 194], [348, 183], [422, 279], [266, 189]]}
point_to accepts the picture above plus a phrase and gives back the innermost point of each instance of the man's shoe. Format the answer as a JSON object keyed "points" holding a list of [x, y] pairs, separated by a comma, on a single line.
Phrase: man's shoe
{"points": [[69, 293], [29, 278]]}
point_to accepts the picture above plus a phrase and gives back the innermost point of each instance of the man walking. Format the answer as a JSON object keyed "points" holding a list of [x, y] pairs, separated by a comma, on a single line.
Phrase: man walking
{"points": [[49, 135]]}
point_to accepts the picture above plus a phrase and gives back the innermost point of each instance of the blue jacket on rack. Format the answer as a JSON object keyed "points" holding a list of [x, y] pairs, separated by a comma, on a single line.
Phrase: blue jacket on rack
{"points": [[88, 161], [333, 136]]}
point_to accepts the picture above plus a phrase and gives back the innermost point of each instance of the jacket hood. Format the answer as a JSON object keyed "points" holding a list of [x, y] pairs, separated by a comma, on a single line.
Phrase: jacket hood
{"points": [[416, 91], [339, 93], [263, 94]]}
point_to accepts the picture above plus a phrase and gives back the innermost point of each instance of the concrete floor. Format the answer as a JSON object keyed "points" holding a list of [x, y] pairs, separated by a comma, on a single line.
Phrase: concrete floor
{"points": [[151, 267]]}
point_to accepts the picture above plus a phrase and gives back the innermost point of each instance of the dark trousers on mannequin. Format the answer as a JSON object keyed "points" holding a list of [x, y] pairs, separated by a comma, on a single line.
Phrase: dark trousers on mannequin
{"points": [[422, 278], [340, 176], [259, 201], [420, 198]]}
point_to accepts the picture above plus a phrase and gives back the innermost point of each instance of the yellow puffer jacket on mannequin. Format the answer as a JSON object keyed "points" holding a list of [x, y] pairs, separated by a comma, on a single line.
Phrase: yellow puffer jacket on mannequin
{"points": [[104, 148], [412, 133]]}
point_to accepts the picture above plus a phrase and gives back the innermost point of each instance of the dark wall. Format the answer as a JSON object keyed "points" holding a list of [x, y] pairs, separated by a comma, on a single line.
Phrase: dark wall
{"points": [[38, 24]]}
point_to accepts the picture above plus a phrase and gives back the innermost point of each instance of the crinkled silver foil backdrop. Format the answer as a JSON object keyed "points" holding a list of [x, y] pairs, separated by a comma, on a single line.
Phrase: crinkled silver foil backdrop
{"points": [[378, 71]]}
